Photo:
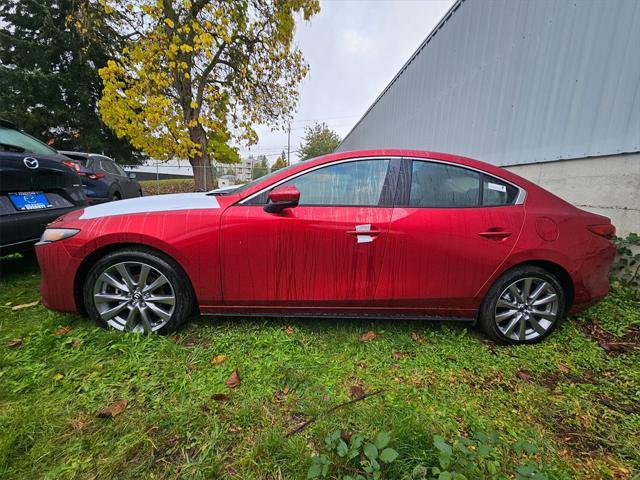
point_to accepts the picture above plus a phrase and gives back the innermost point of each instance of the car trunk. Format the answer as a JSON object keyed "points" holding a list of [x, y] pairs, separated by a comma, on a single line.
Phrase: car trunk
{"points": [[41, 189]]}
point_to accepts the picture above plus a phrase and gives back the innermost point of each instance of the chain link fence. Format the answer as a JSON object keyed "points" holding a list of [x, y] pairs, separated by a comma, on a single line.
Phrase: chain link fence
{"points": [[159, 177]]}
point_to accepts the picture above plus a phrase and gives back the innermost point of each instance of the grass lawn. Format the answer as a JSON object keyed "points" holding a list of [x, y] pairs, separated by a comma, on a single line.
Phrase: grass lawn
{"points": [[576, 396]]}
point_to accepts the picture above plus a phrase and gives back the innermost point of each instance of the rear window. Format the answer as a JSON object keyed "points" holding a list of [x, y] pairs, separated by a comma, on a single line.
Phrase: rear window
{"points": [[78, 158], [10, 139]]}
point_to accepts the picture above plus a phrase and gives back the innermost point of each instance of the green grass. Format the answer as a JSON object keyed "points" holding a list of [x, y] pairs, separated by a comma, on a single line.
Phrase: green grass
{"points": [[578, 404]]}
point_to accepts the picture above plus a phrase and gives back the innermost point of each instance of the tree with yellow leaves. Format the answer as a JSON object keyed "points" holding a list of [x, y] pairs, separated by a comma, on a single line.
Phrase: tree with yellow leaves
{"points": [[196, 75]]}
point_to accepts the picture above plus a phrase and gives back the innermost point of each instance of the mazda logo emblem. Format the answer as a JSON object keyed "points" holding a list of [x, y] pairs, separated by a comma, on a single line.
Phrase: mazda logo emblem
{"points": [[31, 162]]}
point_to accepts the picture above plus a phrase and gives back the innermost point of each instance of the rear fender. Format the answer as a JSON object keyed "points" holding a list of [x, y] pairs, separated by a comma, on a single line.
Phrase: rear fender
{"points": [[533, 256]]}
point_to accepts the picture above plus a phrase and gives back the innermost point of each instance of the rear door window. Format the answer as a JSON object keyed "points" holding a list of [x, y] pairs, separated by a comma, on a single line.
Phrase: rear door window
{"points": [[119, 169], [439, 185], [495, 192], [108, 167]]}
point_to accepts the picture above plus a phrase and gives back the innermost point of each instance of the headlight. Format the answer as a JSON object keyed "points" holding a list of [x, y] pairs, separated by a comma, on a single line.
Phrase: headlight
{"points": [[56, 234]]}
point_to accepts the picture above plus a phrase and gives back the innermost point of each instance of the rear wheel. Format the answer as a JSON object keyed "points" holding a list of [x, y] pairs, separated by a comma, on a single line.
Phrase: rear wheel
{"points": [[523, 306], [138, 290], [116, 196]]}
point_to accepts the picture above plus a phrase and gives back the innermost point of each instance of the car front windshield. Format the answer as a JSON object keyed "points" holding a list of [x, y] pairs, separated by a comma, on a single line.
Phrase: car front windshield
{"points": [[14, 138]]}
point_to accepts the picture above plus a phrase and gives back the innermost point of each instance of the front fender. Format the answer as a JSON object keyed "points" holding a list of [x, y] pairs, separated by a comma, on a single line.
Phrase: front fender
{"points": [[189, 239]]}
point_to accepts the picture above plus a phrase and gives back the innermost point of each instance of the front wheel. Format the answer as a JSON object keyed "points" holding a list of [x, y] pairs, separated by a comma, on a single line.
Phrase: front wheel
{"points": [[523, 306], [138, 290]]}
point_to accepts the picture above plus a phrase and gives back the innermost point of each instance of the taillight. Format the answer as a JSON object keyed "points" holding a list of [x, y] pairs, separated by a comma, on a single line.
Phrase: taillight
{"points": [[72, 165], [605, 230], [95, 176]]}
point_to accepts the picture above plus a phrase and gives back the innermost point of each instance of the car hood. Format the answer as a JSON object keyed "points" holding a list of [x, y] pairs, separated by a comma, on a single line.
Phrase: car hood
{"points": [[157, 203]]}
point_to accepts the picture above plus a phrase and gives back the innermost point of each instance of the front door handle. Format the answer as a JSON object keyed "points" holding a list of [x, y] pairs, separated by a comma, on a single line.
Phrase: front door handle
{"points": [[495, 234], [364, 233]]}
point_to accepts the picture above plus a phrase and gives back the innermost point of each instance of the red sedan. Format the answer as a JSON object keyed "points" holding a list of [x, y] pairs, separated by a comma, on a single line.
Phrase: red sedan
{"points": [[384, 233]]}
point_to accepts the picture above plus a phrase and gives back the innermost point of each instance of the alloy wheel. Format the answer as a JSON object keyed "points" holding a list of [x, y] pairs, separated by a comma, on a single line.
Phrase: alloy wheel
{"points": [[526, 309], [134, 296]]}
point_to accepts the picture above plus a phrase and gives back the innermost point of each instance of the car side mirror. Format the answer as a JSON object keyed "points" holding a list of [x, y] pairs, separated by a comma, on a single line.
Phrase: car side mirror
{"points": [[281, 198], [131, 175]]}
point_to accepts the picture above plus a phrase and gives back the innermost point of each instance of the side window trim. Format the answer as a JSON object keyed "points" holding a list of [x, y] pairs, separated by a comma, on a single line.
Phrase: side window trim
{"points": [[404, 184], [386, 197]]}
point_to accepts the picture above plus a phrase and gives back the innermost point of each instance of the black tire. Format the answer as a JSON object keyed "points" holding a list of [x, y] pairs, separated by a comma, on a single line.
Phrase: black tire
{"points": [[116, 196], [488, 311], [178, 285]]}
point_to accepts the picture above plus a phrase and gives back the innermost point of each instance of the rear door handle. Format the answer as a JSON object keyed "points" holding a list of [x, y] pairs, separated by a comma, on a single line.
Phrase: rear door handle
{"points": [[495, 234], [364, 233]]}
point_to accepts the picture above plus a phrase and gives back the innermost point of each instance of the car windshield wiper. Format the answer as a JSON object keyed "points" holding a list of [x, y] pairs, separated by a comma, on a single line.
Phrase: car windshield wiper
{"points": [[8, 147]]}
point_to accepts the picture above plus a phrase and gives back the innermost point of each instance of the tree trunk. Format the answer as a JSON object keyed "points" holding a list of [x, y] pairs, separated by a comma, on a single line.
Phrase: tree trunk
{"points": [[202, 173], [201, 163]]}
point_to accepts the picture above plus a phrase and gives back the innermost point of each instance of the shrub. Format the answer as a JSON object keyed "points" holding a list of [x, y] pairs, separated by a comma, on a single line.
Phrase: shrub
{"points": [[626, 266]]}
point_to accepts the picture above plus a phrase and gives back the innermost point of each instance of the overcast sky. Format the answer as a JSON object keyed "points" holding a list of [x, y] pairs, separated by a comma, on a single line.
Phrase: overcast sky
{"points": [[354, 48]]}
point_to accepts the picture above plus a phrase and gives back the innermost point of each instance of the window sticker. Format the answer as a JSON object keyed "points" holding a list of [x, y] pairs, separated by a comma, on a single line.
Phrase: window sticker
{"points": [[496, 187]]}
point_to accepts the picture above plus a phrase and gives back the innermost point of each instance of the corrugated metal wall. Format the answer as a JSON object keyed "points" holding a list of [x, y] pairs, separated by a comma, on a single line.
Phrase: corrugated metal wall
{"points": [[512, 82]]}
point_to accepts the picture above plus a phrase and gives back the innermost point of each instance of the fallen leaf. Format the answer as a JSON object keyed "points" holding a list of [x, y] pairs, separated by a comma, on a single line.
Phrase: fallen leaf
{"points": [[368, 336], [289, 330], [398, 355], [220, 397], [58, 376], [218, 359], [62, 331], [76, 344], [25, 305], [174, 338], [234, 380], [233, 429], [563, 368], [357, 391], [452, 357], [417, 338], [281, 395], [205, 407], [116, 408], [395, 366], [16, 342], [524, 375]]}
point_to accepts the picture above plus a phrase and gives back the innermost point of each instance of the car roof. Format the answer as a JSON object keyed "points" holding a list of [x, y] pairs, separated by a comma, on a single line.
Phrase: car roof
{"points": [[8, 124], [84, 154], [77, 154]]}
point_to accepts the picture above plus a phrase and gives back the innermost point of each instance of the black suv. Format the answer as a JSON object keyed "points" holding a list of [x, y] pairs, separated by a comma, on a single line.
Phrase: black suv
{"points": [[37, 185]]}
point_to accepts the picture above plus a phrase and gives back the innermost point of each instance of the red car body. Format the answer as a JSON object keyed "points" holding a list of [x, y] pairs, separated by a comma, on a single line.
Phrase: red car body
{"points": [[312, 260]]}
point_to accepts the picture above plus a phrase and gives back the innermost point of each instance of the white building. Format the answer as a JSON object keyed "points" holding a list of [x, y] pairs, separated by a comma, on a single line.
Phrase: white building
{"points": [[227, 181], [549, 89]]}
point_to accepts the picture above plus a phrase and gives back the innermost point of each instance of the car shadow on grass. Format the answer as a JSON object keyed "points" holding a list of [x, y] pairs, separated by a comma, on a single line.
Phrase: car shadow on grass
{"points": [[18, 265], [412, 327]]}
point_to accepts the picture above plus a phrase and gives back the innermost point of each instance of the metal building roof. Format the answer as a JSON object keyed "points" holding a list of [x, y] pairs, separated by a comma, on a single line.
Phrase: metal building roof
{"points": [[513, 82]]}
